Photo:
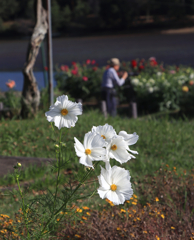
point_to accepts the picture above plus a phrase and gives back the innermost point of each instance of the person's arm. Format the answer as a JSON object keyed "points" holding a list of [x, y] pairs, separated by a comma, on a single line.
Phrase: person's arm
{"points": [[119, 81]]}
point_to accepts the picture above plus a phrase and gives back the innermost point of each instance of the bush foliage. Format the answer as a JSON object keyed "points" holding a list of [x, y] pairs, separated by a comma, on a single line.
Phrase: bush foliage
{"points": [[158, 88]]}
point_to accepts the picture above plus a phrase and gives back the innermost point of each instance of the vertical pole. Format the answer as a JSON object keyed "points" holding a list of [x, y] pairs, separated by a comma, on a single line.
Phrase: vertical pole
{"points": [[50, 53], [44, 65]]}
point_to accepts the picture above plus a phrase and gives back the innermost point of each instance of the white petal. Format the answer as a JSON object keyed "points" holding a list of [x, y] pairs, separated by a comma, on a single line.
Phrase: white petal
{"points": [[88, 139], [103, 183], [86, 160], [134, 152], [118, 174], [120, 156], [129, 138], [79, 148], [97, 141], [115, 198], [102, 192], [98, 153]]}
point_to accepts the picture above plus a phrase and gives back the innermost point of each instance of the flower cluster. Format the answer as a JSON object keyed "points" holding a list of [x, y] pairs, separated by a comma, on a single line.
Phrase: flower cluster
{"points": [[100, 144]]}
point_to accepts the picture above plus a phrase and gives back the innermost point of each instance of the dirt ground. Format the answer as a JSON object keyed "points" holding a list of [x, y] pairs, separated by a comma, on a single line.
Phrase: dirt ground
{"points": [[7, 163], [170, 46]]}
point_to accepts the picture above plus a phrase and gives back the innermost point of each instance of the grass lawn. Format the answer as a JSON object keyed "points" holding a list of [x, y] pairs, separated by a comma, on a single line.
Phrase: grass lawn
{"points": [[162, 177]]}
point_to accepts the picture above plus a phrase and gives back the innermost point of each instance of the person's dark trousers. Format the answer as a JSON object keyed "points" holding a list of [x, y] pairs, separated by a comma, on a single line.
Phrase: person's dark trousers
{"points": [[109, 95]]}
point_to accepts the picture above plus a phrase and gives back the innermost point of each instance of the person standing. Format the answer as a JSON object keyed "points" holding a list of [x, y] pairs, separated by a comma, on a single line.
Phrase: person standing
{"points": [[109, 81]]}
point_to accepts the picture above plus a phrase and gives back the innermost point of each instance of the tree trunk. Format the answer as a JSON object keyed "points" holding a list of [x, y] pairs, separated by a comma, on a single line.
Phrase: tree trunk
{"points": [[31, 93]]}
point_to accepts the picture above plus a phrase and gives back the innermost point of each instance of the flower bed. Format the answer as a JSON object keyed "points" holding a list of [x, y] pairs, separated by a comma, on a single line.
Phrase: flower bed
{"points": [[158, 88]]}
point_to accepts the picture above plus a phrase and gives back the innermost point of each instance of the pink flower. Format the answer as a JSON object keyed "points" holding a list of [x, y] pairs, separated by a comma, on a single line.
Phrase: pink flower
{"points": [[74, 71], [10, 84], [64, 68], [85, 78], [73, 63], [172, 71], [88, 61], [93, 62]]}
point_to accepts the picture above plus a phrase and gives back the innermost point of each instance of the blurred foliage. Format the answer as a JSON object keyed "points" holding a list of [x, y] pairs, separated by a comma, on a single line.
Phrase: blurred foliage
{"points": [[154, 87], [99, 14]]}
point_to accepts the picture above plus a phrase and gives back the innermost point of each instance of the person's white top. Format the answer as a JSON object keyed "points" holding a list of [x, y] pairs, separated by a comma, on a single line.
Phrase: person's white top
{"points": [[110, 79]]}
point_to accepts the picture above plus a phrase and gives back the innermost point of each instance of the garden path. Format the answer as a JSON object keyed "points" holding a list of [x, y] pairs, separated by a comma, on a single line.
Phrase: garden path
{"points": [[7, 163]]}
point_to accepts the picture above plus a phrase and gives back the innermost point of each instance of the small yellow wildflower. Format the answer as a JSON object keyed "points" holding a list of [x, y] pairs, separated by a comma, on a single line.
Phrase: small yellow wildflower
{"points": [[78, 210], [88, 213], [145, 232], [78, 236], [134, 203], [157, 199], [128, 201], [118, 229], [162, 215], [132, 234], [172, 227], [58, 219], [123, 210], [84, 218], [135, 196], [85, 208], [157, 237]]}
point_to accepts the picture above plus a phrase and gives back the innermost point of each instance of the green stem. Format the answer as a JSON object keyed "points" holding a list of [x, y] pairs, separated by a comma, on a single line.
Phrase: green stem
{"points": [[58, 170], [64, 204], [23, 206]]}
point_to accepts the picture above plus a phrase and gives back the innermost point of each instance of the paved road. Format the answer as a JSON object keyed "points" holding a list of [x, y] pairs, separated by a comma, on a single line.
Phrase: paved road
{"points": [[169, 48]]}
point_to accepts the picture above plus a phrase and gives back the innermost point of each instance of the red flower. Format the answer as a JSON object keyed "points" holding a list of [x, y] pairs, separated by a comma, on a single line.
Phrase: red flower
{"points": [[94, 68], [46, 68], [85, 78], [191, 82], [141, 67], [73, 63], [153, 61], [93, 62], [74, 71], [88, 61], [134, 63], [64, 68], [10, 84]]}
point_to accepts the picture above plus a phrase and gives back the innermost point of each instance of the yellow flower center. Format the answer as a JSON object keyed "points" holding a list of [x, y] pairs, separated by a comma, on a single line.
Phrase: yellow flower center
{"points": [[113, 187], [64, 112], [88, 151], [103, 136], [114, 147]]}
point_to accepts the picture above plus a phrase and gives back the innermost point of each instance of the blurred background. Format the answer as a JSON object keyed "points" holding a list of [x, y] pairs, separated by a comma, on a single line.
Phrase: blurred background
{"points": [[97, 30]]}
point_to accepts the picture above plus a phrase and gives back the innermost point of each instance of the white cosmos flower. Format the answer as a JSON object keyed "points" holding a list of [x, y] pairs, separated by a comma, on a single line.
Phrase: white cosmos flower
{"points": [[64, 112], [106, 131], [117, 149], [91, 150], [130, 139], [115, 184]]}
